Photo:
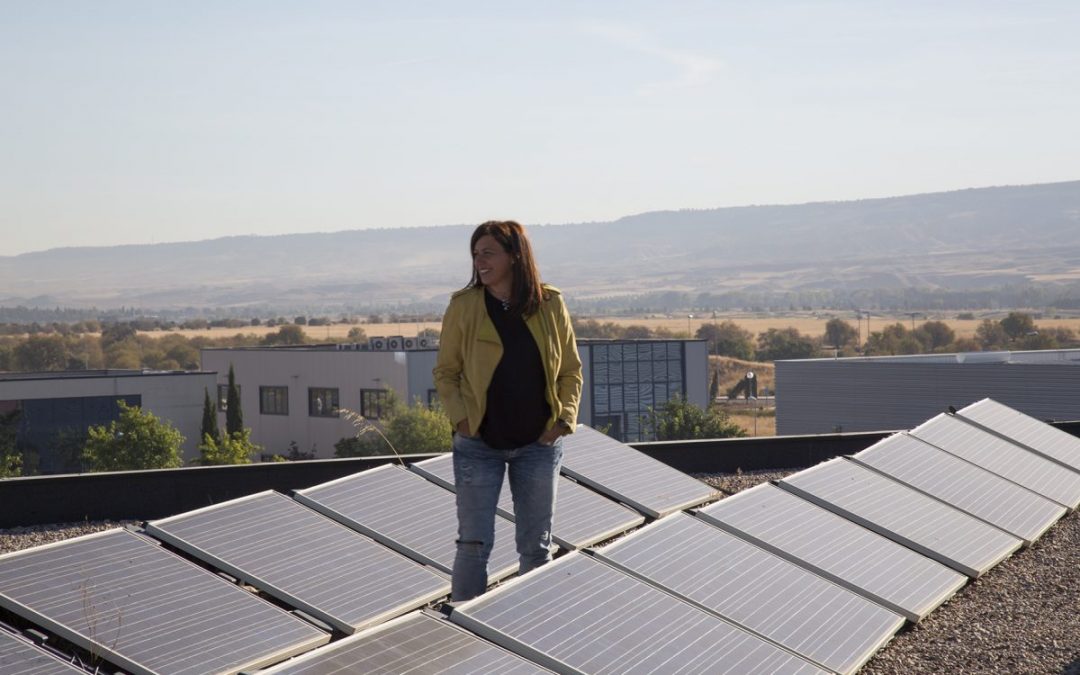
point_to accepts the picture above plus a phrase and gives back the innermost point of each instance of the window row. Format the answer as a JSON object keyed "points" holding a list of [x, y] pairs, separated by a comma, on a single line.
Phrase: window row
{"points": [[322, 401]]}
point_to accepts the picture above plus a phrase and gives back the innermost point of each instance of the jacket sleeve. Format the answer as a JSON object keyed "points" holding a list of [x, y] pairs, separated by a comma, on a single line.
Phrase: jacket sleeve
{"points": [[569, 379], [449, 364]]}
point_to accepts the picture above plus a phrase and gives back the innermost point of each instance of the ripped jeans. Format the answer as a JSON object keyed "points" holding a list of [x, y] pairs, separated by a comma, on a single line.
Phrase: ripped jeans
{"points": [[478, 479]]}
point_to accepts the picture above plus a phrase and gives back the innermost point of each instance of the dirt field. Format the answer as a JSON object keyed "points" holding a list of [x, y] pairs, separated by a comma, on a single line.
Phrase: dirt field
{"points": [[808, 324]]}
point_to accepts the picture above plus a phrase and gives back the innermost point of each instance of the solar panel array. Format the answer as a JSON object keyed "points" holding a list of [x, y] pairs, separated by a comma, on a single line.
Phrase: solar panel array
{"points": [[407, 513], [633, 478], [811, 575], [582, 517], [304, 559], [1033, 435], [1003, 457], [974, 490], [757, 590], [897, 512], [22, 657]]}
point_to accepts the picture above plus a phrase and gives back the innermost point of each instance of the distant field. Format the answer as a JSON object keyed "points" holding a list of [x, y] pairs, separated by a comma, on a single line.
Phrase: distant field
{"points": [[807, 324]]}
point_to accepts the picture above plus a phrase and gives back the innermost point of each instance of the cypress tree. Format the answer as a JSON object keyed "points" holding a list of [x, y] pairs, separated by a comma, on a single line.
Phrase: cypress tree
{"points": [[234, 417], [209, 419]]}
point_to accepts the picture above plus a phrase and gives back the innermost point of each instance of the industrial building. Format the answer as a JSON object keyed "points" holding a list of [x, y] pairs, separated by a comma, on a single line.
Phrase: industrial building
{"points": [[56, 408], [898, 392], [293, 394]]}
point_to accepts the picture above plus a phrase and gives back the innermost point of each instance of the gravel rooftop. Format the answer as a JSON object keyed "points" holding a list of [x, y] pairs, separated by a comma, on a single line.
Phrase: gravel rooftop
{"points": [[1022, 617]]}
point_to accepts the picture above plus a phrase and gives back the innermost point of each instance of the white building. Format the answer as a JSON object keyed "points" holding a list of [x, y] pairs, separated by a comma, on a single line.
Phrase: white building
{"points": [[291, 394], [56, 407]]}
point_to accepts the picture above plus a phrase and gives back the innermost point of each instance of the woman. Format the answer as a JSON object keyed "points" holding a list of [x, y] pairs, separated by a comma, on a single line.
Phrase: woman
{"points": [[509, 377]]}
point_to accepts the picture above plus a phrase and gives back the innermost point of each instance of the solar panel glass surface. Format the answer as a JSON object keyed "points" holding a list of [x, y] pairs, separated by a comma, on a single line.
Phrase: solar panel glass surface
{"points": [[582, 517], [1034, 434], [629, 476], [970, 488], [1004, 458], [121, 596], [304, 559], [407, 513], [787, 604], [882, 570], [21, 657], [417, 644], [893, 510], [579, 615]]}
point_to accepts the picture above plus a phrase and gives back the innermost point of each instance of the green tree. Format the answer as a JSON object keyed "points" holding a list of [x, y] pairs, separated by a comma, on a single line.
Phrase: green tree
{"points": [[402, 430], [679, 419], [935, 335], [288, 334], [41, 352], [839, 333], [357, 334], [235, 448], [727, 339], [991, 335], [209, 418], [10, 457], [893, 339], [234, 415], [1017, 325], [776, 344], [138, 440]]}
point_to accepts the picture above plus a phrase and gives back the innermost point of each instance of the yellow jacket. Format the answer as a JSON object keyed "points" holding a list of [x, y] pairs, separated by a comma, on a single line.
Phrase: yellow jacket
{"points": [[470, 349]]}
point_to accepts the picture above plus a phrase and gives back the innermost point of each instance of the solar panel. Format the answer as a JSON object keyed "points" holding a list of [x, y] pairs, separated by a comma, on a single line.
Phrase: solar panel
{"points": [[407, 513], [22, 657], [579, 615], [837, 549], [582, 517], [1036, 436], [415, 643], [118, 595], [972, 489], [893, 510], [778, 600], [304, 559], [629, 476], [1004, 458]]}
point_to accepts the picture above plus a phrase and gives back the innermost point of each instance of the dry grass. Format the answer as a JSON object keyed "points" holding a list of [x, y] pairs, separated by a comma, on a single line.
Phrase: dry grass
{"points": [[755, 421]]}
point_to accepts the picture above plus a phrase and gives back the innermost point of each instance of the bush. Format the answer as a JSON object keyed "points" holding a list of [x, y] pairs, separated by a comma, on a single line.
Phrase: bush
{"points": [[678, 420], [138, 440], [235, 448]]}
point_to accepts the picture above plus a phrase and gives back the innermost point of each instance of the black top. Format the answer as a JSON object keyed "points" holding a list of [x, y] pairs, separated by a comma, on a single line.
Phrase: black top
{"points": [[517, 410]]}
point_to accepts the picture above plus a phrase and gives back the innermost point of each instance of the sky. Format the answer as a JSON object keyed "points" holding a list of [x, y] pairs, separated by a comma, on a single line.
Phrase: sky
{"points": [[134, 122]]}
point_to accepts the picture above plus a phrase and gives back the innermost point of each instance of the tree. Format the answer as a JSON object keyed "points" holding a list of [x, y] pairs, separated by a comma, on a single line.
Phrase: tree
{"points": [[679, 419], [10, 457], [893, 339], [137, 440], [784, 343], [357, 334], [288, 334], [41, 352], [727, 339], [403, 430], [714, 386], [209, 418], [637, 332], [935, 335], [232, 449], [234, 415], [839, 333], [991, 335], [1017, 325]]}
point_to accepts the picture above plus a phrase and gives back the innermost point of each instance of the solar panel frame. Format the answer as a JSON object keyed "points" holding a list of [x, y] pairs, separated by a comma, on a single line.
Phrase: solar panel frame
{"points": [[230, 550], [580, 615], [979, 493], [930, 527], [1028, 432], [763, 593], [18, 655], [108, 634], [837, 549], [374, 652], [578, 509], [629, 476], [1003, 457], [415, 500]]}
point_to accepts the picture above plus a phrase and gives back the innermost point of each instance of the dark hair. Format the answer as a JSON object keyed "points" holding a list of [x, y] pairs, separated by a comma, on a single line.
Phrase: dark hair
{"points": [[526, 292]]}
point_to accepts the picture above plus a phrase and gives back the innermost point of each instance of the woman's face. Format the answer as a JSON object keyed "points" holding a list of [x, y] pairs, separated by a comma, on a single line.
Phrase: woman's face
{"points": [[492, 262]]}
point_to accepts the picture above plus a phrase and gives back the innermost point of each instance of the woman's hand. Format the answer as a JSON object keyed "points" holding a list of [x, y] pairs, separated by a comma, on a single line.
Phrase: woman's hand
{"points": [[463, 428], [551, 435]]}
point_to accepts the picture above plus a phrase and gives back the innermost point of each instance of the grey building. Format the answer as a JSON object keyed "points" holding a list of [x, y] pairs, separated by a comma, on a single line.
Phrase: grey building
{"points": [[292, 394], [899, 392], [56, 408]]}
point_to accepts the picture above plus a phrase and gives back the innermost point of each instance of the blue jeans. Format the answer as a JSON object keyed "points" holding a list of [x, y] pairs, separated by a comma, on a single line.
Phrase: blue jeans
{"points": [[478, 478]]}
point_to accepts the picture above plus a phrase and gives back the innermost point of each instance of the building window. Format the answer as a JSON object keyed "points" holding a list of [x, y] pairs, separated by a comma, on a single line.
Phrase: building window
{"points": [[374, 403], [223, 396], [274, 400], [322, 402], [629, 378], [432, 398]]}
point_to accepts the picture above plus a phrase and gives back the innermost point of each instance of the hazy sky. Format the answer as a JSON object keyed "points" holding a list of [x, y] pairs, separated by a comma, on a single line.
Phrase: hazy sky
{"points": [[137, 122]]}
